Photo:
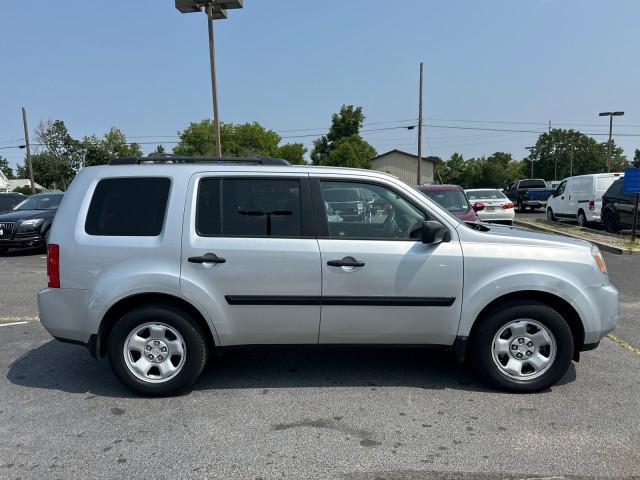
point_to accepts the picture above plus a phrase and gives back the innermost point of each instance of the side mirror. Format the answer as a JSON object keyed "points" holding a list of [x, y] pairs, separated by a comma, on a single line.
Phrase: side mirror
{"points": [[478, 206], [434, 232]]}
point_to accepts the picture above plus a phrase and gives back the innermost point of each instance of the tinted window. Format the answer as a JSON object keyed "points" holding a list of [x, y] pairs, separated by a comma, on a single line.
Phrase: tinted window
{"points": [[380, 214], [249, 208], [128, 207], [452, 200], [7, 202], [532, 184], [616, 189], [560, 189]]}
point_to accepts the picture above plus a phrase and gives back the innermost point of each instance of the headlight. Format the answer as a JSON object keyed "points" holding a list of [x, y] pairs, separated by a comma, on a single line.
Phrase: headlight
{"points": [[597, 256], [32, 223]]}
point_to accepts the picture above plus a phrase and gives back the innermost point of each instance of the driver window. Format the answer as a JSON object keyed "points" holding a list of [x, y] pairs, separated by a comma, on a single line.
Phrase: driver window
{"points": [[560, 189], [367, 211]]}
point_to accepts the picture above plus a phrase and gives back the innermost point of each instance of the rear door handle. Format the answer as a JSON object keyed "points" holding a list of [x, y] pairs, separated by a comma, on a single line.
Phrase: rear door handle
{"points": [[345, 262], [208, 258]]}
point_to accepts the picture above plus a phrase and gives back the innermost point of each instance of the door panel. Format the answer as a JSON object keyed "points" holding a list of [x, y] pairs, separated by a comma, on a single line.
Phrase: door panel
{"points": [[406, 292], [268, 289]]}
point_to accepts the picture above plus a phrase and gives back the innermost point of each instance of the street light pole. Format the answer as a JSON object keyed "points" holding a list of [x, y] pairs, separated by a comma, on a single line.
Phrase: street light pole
{"points": [[420, 129], [610, 144], [214, 85], [530, 159], [215, 10]]}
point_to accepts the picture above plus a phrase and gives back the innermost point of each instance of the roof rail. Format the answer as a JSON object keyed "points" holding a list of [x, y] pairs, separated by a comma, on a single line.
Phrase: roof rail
{"points": [[163, 158]]}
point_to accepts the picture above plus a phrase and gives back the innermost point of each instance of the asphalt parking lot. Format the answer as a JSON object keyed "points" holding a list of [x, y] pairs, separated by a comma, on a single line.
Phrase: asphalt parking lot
{"points": [[301, 413]]}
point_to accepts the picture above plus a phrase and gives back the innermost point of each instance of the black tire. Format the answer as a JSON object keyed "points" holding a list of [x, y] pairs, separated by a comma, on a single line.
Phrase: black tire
{"points": [[521, 207], [610, 221], [582, 219], [550, 216], [195, 349], [482, 344]]}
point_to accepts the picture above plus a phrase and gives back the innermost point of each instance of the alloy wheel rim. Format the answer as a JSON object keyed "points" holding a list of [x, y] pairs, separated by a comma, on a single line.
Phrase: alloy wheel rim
{"points": [[524, 349], [154, 352]]}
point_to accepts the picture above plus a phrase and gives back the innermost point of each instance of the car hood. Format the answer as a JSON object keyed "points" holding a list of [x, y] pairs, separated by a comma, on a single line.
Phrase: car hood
{"points": [[524, 236], [19, 215]]}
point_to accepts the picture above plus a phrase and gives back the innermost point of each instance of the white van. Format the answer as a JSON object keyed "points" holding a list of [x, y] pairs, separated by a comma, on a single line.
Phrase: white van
{"points": [[580, 198]]}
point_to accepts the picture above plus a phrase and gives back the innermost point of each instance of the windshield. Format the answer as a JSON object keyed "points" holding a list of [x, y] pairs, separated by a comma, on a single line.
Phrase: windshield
{"points": [[40, 202], [485, 195], [451, 200]]}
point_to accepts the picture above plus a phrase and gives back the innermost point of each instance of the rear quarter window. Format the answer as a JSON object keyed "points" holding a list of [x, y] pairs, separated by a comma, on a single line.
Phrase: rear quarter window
{"points": [[128, 207]]}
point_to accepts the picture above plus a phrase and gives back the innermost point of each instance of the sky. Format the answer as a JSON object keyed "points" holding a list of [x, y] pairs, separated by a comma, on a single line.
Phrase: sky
{"points": [[141, 66]]}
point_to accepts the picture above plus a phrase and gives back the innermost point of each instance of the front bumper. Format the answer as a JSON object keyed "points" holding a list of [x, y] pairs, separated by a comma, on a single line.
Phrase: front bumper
{"points": [[23, 242], [599, 313]]}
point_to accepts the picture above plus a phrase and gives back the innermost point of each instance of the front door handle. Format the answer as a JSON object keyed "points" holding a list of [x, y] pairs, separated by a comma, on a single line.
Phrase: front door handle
{"points": [[208, 258], [345, 262], [562, 197]]}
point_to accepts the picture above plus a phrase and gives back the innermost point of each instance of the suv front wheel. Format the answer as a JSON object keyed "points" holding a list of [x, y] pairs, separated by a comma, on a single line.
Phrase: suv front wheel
{"points": [[522, 347], [157, 350]]}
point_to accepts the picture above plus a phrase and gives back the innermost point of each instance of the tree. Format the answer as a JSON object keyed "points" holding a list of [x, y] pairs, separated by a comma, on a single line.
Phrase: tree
{"points": [[350, 151], [494, 171], [159, 149], [553, 151], [59, 157], [293, 153], [5, 168], [113, 144], [636, 158], [238, 140], [343, 144]]}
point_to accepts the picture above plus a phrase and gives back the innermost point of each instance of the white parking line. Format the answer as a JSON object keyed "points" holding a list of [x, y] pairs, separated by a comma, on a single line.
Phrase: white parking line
{"points": [[19, 319], [12, 323]]}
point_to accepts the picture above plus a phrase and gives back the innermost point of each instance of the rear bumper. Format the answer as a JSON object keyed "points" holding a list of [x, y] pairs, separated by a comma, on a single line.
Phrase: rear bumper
{"points": [[63, 313], [534, 203], [497, 215]]}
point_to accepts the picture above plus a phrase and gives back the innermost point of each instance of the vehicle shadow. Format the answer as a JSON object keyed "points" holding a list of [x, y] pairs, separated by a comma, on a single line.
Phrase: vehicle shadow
{"points": [[24, 252], [71, 369]]}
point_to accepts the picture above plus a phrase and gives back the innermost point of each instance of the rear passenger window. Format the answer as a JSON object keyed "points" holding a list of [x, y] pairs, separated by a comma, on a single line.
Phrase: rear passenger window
{"points": [[249, 208], [128, 207]]}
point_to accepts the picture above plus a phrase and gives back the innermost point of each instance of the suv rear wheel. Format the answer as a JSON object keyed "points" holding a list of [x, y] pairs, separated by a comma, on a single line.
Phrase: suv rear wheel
{"points": [[157, 350], [522, 347], [610, 221], [582, 219]]}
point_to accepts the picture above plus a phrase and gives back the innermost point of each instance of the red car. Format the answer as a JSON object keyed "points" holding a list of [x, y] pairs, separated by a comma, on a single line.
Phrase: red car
{"points": [[453, 198]]}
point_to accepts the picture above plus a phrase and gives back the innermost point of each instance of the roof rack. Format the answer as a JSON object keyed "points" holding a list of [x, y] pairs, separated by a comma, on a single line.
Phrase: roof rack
{"points": [[169, 159]]}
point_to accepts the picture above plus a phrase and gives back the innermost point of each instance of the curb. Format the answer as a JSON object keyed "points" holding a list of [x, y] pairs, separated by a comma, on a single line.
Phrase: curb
{"points": [[602, 246]]}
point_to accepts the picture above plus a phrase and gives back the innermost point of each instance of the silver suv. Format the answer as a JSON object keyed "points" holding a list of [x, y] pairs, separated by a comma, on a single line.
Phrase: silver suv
{"points": [[156, 262]]}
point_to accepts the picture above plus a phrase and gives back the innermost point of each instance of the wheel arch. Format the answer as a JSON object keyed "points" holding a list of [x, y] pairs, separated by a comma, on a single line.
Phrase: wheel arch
{"points": [[560, 305], [117, 310]]}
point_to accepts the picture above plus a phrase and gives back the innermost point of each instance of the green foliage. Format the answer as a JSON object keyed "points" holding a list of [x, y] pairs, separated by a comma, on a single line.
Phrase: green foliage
{"points": [[636, 158], [293, 152], [101, 151], [343, 146], [494, 171], [350, 151], [159, 149], [238, 140], [558, 147], [26, 190], [5, 168]]}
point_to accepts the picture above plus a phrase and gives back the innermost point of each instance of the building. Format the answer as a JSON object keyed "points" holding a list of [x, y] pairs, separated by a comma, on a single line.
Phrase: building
{"points": [[7, 185], [404, 166]]}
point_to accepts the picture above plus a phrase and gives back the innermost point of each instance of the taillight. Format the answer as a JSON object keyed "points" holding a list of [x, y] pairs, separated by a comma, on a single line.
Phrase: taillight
{"points": [[507, 205], [592, 205], [53, 265]]}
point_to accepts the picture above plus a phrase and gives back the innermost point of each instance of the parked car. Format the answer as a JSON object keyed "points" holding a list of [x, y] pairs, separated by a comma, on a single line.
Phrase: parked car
{"points": [[497, 207], [580, 198], [530, 193], [155, 265], [617, 207], [10, 200], [28, 224], [348, 204], [453, 198]]}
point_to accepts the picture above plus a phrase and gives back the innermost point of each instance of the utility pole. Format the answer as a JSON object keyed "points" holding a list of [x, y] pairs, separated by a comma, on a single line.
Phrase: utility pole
{"points": [[214, 87], [28, 147], [531, 149], [420, 128], [571, 162]]}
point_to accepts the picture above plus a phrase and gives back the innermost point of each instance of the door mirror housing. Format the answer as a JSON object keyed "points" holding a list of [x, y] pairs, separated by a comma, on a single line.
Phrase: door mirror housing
{"points": [[478, 206], [434, 232]]}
